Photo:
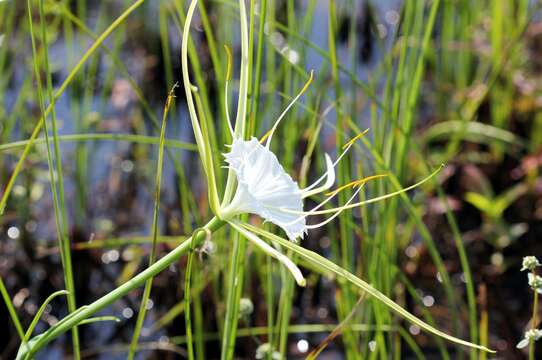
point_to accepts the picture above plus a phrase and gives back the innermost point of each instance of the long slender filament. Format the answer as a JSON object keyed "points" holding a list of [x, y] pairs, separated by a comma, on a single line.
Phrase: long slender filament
{"points": [[314, 226], [325, 201], [228, 78], [361, 203], [269, 134], [307, 191], [357, 183]]}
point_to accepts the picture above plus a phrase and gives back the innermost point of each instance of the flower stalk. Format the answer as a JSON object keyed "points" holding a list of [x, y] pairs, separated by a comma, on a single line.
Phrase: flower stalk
{"points": [[203, 143], [87, 311], [530, 263], [533, 325]]}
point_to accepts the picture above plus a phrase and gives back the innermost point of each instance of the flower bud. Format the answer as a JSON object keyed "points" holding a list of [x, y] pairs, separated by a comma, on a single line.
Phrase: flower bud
{"points": [[529, 263], [264, 350], [245, 307], [535, 282], [530, 335]]}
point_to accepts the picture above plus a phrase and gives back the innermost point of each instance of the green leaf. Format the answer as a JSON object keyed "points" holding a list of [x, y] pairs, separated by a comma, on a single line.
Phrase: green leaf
{"points": [[40, 311], [326, 266], [25, 347], [481, 202]]}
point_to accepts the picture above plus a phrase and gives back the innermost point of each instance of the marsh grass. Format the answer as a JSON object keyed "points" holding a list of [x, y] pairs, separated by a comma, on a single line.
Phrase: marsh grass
{"points": [[430, 40]]}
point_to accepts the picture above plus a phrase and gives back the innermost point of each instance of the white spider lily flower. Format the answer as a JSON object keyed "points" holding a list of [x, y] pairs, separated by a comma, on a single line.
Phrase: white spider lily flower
{"points": [[264, 187], [267, 190]]}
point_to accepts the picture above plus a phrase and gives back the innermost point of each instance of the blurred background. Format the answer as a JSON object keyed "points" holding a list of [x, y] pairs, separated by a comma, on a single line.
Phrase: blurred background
{"points": [[452, 81]]}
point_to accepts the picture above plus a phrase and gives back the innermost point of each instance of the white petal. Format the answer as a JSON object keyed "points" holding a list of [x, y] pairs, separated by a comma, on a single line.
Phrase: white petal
{"points": [[330, 179], [523, 343], [269, 250], [264, 188]]}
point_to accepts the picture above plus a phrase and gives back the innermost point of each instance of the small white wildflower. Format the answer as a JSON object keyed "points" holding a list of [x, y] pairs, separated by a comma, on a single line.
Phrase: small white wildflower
{"points": [[530, 335], [529, 263], [246, 307], [264, 349], [535, 282]]}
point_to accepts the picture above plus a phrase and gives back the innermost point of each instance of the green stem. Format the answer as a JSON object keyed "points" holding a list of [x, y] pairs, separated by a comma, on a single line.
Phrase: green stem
{"points": [[86, 311], [133, 138], [234, 290], [152, 257], [61, 217], [11, 309], [533, 322], [253, 117], [187, 315], [187, 291]]}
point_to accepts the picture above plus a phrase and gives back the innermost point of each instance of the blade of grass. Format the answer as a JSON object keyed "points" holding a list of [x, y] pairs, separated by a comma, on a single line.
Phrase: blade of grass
{"points": [[346, 246], [56, 179], [131, 138], [152, 256], [234, 291], [11, 310], [37, 317]]}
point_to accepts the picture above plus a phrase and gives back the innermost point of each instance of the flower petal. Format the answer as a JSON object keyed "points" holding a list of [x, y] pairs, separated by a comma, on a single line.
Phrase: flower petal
{"points": [[269, 250], [264, 188]]}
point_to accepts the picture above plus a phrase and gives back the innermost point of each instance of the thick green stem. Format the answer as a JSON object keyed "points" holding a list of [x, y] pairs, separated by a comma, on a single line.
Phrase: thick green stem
{"points": [[86, 311]]}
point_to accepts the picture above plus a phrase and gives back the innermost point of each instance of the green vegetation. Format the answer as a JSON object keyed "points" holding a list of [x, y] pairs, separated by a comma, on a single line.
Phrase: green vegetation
{"points": [[130, 215]]}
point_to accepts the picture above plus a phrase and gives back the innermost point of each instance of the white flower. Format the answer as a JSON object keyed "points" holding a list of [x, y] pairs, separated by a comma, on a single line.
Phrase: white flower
{"points": [[529, 263], [246, 307], [265, 350], [530, 335], [535, 282], [264, 188]]}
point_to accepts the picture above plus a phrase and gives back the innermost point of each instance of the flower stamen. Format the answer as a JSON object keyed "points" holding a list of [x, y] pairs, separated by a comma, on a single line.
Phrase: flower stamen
{"points": [[361, 203], [314, 226], [270, 133], [330, 169], [356, 183], [228, 78], [311, 211], [353, 140]]}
